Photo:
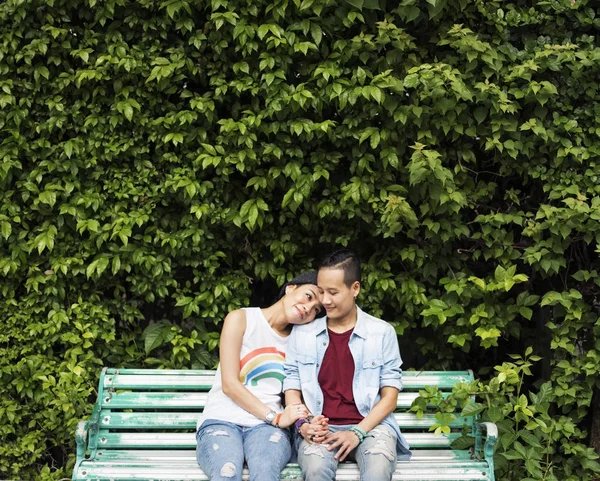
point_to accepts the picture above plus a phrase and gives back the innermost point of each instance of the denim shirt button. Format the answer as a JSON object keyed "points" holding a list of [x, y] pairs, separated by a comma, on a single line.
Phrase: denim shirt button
{"points": [[317, 364], [324, 343], [318, 403]]}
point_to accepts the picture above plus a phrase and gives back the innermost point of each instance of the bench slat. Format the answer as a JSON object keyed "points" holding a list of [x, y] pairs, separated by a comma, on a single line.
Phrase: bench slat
{"points": [[189, 400], [405, 471], [188, 420], [155, 379], [182, 456], [188, 440]]}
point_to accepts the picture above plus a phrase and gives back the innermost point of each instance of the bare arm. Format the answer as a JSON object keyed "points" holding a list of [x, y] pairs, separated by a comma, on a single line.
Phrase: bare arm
{"points": [[293, 396], [229, 357], [385, 406]]}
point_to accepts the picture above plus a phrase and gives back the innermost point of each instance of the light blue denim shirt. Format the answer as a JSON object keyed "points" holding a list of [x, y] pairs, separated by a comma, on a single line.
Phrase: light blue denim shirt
{"points": [[374, 347]]}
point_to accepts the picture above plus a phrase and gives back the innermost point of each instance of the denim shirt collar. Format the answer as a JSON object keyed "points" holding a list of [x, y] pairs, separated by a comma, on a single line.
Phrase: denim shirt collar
{"points": [[360, 329]]}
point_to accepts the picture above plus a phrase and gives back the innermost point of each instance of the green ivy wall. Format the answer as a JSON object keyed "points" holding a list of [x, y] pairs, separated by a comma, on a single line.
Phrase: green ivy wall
{"points": [[164, 162]]}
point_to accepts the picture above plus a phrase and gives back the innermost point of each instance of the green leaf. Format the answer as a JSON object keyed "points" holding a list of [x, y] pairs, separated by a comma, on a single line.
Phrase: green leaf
{"points": [[6, 230], [472, 409], [116, 264], [155, 335], [495, 414], [316, 33], [97, 267], [463, 442], [48, 197], [526, 312], [480, 113], [356, 3]]}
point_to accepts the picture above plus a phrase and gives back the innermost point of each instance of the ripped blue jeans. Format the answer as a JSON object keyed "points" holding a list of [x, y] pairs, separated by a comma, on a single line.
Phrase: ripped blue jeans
{"points": [[222, 448], [375, 456]]}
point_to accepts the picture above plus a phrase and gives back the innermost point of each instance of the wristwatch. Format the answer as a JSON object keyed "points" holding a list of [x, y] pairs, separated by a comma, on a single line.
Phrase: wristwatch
{"points": [[270, 416]]}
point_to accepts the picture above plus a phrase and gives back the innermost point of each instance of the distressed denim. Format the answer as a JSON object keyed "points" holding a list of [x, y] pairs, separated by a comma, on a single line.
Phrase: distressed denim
{"points": [[222, 448], [375, 456], [377, 361]]}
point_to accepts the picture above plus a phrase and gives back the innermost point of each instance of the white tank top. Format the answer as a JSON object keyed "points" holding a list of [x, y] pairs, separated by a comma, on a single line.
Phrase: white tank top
{"points": [[261, 372]]}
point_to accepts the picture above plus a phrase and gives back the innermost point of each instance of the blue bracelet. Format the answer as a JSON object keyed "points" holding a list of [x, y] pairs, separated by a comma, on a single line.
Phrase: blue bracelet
{"points": [[360, 433]]}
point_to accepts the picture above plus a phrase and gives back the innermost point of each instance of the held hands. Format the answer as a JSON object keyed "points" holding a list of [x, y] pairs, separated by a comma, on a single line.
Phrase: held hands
{"points": [[346, 441], [316, 430], [291, 414]]}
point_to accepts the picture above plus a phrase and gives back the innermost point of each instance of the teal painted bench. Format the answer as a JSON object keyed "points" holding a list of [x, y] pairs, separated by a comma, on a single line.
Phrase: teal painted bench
{"points": [[143, 428]]}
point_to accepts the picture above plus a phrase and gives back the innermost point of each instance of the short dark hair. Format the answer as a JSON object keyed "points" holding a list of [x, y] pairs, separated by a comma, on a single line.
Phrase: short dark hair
{"points": [[345, 260], [309, 277]]}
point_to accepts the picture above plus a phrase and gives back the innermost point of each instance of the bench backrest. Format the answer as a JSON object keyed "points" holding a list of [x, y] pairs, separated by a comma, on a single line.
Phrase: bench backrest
{"points": [[151, 408]]}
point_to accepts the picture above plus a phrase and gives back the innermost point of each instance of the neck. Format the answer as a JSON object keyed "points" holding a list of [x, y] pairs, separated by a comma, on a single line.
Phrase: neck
{"points": [[275, 316], [345, 323]]}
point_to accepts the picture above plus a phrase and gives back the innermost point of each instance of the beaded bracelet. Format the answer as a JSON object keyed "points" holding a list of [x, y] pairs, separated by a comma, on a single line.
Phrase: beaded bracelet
{"points": [[360, 433], [298, 424]]}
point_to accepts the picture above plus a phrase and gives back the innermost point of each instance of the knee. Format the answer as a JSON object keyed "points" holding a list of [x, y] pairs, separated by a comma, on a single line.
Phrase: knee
{"points": [[227, 471], [379, 463], [379, 470], [316, 463]]}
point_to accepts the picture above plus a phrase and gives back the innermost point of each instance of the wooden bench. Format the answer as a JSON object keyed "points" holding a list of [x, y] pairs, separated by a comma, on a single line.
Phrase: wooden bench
{"points": [[143, 428]]}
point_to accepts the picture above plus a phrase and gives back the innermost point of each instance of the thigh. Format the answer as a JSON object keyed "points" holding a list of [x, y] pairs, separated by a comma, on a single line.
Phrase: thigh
{"points": [[316, 461], [376, 455], [220, 451], [267, 450]]}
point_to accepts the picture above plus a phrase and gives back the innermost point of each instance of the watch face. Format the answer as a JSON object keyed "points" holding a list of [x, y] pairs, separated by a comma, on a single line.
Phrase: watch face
{"points": [[270, 416]]}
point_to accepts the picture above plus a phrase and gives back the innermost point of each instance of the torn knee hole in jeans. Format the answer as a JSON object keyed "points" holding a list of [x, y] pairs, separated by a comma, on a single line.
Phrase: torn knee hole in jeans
{"points": [[275, 437], [380, 432], [228, 470], [213, 432], [381, 448], [314, 450]]}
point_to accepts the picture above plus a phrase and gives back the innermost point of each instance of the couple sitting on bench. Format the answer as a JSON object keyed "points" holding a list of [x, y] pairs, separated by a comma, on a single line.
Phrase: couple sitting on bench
{"points": [[340, 374]]}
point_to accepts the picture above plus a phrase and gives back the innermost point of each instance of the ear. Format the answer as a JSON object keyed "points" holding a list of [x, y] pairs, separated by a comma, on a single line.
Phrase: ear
{"points": [[355, 288], [290, 288]]}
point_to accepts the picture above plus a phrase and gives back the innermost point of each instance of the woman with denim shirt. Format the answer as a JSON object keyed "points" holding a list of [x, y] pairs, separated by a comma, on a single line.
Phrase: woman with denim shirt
{"points": [[345, 367], [244, 419]]}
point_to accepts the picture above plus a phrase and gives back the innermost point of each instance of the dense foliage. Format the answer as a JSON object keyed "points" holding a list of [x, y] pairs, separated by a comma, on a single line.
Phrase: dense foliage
{"points": [[163, 162]]}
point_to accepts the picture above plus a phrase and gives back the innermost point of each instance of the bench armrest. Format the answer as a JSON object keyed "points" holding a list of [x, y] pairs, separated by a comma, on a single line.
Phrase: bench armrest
{"points": [[93, 427], [491, 439], [81, 436]]}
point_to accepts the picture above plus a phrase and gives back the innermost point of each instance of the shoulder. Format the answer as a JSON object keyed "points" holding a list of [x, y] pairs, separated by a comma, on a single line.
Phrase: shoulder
{"points": [[236, 320], [239, 315], [376, 325], [310, 328]]}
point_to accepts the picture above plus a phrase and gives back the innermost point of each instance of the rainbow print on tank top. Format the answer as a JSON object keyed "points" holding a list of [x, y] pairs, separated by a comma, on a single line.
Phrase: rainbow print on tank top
{"points": [[263, 363]]}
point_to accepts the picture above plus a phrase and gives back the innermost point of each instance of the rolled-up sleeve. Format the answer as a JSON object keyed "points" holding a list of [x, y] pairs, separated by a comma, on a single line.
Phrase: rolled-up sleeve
{"points": [[391, 373], [292, 377]]}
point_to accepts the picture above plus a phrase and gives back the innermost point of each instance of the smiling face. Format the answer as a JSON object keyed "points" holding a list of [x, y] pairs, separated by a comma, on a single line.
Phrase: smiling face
{"points": [[337, 297], [302, 303]]}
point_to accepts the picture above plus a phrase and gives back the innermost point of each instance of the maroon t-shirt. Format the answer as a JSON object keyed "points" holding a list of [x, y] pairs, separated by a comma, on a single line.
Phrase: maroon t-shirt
{"points": [[335, 378]]}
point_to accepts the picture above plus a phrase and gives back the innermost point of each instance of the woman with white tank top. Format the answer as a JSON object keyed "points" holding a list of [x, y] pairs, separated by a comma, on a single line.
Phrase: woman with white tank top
{"points": [[244, 419]]}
